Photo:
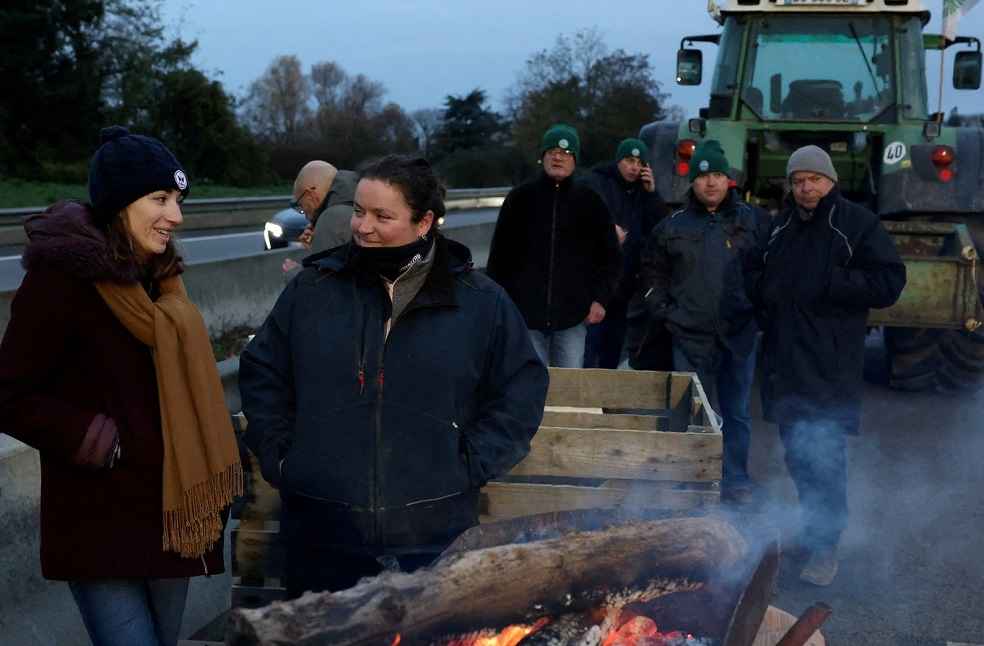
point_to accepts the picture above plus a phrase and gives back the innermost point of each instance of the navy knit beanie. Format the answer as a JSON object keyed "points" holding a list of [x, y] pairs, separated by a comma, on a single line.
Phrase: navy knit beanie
{"points": [[126, 167]]}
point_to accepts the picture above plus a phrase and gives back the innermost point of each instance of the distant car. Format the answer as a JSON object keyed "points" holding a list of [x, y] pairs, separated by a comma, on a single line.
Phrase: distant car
{"points": [[283, 228]]}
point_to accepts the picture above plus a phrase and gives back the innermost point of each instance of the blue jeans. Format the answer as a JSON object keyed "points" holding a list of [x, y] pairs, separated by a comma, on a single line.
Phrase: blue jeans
{"points": [[729, 388], [816, 456], [560, 348], [123, 612]]}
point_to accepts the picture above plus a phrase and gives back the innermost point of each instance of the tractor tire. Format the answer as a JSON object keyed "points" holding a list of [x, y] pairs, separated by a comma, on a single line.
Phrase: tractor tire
{"points": [[950, 361]]}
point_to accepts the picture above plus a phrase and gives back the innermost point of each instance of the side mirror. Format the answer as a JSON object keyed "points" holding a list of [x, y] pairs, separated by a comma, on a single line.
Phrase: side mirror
{"points": [[775, 93], [690, 67], [967, 71]]}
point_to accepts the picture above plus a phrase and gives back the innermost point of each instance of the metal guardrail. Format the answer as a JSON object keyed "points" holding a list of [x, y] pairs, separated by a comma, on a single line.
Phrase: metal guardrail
{"points": [[456, 198]]}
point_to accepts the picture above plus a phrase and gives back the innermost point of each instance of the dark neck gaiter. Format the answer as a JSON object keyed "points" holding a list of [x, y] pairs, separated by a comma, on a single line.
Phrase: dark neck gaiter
{"points": [[390, 262]]}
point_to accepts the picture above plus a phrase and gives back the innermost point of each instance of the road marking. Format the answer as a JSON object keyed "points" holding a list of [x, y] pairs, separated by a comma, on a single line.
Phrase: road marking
{"points": [[962, 644], [226, 236], [9, 258]]}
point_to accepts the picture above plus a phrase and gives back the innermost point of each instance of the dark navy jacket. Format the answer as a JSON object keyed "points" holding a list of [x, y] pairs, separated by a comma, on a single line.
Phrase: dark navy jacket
{"points": [[634, 209], [813, 286], [692, 277], [393, 437]]}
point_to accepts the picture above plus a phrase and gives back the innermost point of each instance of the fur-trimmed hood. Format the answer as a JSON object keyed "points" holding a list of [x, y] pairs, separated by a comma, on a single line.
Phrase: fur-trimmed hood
{"points": [[65, 237]]}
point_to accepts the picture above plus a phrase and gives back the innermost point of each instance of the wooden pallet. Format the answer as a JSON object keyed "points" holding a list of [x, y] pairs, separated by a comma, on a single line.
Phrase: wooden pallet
{"points": [[609, 438]]}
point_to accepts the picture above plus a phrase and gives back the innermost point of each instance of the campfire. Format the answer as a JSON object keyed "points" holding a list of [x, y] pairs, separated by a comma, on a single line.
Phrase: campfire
{"points": [[637, 582]]}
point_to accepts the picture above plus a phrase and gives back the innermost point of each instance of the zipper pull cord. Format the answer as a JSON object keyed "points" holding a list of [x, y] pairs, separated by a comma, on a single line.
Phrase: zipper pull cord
{"points": [[362, 380]]}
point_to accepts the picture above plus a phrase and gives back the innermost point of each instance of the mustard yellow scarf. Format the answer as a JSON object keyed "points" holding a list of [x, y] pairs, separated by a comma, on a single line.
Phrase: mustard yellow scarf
{"points": [[202, 473]]}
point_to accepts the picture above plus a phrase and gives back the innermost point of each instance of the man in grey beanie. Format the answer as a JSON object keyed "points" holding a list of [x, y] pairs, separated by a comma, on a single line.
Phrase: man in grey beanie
{"points": [[827, 262]]}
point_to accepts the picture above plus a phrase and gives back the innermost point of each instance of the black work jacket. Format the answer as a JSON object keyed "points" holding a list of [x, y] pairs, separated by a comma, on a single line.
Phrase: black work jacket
{"points": [[634, 209], [554, 251], [692, 276], [392, 435], [813, 285]]}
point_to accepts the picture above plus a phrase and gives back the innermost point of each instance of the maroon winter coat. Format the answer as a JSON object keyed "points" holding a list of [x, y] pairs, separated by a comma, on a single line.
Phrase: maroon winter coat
{"points": [[65, 358]]}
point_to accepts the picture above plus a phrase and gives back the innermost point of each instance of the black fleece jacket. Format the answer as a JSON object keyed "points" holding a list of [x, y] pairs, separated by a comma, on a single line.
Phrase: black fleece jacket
{"points": [[555, 251]]}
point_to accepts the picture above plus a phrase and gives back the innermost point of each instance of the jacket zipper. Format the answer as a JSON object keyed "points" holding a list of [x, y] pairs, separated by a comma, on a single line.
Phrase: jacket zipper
{"points": [[205, 565], [553, 246]]}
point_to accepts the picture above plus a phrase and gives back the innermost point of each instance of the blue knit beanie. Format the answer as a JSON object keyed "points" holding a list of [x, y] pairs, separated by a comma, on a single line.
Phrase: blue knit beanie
{"points": [[126, 167]]}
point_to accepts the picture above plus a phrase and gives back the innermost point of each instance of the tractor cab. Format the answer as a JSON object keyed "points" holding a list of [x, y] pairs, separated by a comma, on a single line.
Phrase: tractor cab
{"points": [[848, 75]]}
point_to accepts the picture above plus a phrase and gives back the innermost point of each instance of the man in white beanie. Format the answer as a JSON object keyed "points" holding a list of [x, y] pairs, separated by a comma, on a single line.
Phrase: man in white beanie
{"points": [[827, 262]]}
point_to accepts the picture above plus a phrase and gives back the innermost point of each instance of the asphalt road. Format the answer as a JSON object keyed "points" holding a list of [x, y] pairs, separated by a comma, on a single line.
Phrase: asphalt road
{"points": [[912, 559]]}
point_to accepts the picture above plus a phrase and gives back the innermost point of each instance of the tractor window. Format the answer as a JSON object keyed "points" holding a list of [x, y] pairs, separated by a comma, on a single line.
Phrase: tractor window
{"points": [[820, 68], [913, 54], [726, 71]]}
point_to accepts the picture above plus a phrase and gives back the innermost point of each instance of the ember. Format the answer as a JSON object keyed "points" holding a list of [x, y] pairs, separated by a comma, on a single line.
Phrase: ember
{"points": [[643, 631], [509, 636]]}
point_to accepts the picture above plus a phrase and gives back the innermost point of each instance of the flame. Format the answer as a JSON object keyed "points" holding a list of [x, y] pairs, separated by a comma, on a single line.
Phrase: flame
{"points": [[509, 636], [643, 631]]}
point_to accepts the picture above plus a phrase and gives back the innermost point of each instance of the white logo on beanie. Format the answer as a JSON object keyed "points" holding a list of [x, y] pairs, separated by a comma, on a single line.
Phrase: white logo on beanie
{"points": [[180, 180], [636, 152], [563, 143], [704, 165]]}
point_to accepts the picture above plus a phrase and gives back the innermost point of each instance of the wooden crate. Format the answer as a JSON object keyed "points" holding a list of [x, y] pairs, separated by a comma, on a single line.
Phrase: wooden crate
{"points": [[609, 438]]}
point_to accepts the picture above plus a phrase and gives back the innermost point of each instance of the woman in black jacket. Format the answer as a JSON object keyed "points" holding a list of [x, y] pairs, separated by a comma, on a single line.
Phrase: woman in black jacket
{"points": [[387, 386]]}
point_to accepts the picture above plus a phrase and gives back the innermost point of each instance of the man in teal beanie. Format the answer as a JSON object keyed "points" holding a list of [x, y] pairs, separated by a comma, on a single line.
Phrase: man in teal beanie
{"points": [[693, 282], [629, 190], [555, 252]]}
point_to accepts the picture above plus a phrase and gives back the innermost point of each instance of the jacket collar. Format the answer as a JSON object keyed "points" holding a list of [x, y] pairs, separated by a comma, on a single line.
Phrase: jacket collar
{"points": [[450, 260], [65, 237], [725, 208], [563, 185], [824, 207]]}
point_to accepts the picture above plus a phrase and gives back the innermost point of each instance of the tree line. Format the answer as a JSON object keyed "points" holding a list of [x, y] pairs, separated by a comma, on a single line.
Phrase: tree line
{"points": [[73, 66]]}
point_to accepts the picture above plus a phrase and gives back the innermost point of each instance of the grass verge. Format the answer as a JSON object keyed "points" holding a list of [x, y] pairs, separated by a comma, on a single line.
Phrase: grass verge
{"points": [[17, 193]]}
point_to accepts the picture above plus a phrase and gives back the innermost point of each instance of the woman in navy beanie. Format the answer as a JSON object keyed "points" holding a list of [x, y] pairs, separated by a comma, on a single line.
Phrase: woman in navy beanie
{"points": [[106, 369]]}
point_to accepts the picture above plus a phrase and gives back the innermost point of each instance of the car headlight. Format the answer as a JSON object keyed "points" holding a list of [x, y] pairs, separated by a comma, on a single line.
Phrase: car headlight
{"points": [[272, 230]]}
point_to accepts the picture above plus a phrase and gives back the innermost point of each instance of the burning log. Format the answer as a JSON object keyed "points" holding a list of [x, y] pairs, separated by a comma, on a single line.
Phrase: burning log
{"points": [[498, 586]]}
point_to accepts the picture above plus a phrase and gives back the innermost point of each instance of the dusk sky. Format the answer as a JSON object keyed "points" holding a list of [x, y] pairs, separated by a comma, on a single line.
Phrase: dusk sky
{"points": [[424, 50]]}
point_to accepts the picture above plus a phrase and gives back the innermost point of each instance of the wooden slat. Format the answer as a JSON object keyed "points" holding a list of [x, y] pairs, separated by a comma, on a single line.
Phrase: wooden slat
{"points": [[608, 453], [257, 554], [503, 500], [608, 388], [597, 420]]}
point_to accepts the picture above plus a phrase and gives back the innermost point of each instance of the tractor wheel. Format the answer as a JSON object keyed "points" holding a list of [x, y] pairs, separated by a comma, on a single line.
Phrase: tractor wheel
{"points": [[942, 360]]}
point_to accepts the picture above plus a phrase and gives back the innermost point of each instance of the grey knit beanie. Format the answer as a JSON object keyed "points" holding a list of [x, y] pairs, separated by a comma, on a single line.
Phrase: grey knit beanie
{"points": [[812, 159]]}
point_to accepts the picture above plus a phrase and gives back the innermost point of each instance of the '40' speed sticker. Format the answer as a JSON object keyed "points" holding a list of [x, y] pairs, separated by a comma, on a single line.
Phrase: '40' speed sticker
{"points": [[894, 153]]}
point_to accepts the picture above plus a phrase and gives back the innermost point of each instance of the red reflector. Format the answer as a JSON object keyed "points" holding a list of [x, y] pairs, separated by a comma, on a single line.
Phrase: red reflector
{"points": [[942, 156], [945, 175], [686, 148], [683, 169]]}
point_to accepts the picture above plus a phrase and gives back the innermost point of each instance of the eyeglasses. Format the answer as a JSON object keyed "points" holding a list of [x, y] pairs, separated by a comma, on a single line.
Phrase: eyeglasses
{"points": [[296, 203], [558, 152]]}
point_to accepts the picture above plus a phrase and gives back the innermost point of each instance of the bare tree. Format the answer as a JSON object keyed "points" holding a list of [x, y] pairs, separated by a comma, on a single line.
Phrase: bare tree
{"points": [[428, 121], [277, 102], [362, 96], [327, 81]]}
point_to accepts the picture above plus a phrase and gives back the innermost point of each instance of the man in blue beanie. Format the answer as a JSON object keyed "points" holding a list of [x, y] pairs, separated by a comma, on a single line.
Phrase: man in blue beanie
{"points": [[692, 277], [555, 252]]}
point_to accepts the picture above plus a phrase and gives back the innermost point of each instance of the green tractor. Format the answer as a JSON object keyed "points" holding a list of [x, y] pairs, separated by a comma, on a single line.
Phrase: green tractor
{"points": [[850, 76]]}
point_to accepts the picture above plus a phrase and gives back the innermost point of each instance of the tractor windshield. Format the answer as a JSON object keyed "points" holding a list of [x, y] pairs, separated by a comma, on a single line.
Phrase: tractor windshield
{"points": [[820, 68]]}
